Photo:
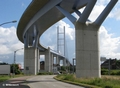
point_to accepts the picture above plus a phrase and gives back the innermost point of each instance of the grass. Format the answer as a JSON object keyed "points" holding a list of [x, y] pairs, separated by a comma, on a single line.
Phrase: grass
{"points": [[104, 82], [7, 77], [4, 78]]}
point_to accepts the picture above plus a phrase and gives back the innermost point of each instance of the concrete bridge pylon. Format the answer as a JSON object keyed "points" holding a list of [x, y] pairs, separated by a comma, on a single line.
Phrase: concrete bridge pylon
{"points": [[34, 22], [31, 61], [87, 38], [87, 50]]}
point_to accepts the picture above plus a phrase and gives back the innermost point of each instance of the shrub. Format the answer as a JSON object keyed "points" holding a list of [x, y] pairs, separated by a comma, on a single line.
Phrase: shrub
{"points": [[104, 71], [69, 77], [112, 72], [115, 72], [45, 73]]}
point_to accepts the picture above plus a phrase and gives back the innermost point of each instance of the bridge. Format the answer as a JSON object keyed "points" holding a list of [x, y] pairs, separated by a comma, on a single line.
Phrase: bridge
{"points": [[41, 14]]}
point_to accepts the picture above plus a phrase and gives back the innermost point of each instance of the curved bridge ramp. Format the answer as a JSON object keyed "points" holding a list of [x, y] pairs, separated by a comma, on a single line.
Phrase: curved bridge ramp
{"points": [[41, 14]]}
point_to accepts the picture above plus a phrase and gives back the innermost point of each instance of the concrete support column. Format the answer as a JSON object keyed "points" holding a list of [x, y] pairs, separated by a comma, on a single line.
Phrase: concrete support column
{"points": [[38, 61], [26, 40], [57, 60], [64, 62], [47, 60], [51, 62], [30, 60], [87, 50]]}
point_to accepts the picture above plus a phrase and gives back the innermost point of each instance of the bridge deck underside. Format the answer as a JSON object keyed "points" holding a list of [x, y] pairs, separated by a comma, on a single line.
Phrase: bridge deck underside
{"points": [[38, 14]]}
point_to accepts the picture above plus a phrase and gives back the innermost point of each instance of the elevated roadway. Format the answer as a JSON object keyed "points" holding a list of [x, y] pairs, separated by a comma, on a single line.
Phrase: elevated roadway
{"points": [[41, 14], [37, 18]]}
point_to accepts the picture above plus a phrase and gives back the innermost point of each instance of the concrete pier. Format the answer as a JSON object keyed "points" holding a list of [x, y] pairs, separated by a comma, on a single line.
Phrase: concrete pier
{"points": [[48, 61], [87, 50], [31, 59]]}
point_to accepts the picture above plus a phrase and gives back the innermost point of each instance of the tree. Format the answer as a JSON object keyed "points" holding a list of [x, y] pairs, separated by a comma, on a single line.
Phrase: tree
{"points": [[118, 64], [15, 69], [63, 68], [3, 63]]}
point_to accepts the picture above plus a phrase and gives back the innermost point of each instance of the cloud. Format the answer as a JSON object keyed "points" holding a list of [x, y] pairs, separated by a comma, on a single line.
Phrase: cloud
{"points": [[49, 38], [94, 13], [99, 7], [102, 2], [68, 30], [115, 14], [115, 11], [8, 40], [109, 45], [1, 62], [23, 5]]}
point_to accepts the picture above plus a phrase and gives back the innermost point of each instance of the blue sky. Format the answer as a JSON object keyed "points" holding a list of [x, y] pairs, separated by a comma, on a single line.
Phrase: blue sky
{"points": [[13, 10]]}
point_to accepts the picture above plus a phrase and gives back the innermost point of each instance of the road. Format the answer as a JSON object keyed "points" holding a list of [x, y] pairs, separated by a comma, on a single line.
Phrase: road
{"points": [[19, 82], [47, 81], [43, 81]]}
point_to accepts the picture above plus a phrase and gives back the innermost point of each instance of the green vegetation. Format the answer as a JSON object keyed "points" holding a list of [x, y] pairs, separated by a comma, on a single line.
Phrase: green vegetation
{"points": [[7, 77], [66, 69], [4, 77], [104, 82], [118, 64], [15, 69], [112, 72], [45, 73], [3, 63]]}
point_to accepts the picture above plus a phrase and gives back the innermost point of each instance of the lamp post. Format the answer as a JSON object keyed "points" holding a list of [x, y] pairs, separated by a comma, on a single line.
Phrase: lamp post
{"points": [[14, 21], [15, 59]]}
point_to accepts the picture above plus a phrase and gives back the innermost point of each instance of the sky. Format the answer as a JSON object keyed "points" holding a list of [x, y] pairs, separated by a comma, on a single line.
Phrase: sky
{"points": [[109, 32]]}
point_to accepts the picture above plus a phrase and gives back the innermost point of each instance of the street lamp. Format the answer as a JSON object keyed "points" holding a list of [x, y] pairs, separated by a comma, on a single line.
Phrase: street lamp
{"points": [[15, 59], [14, 21]]}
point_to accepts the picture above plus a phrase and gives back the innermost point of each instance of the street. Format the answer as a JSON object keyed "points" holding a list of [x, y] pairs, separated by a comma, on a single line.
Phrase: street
{"points": [[41, 81], [47, 81], [19, 82]]}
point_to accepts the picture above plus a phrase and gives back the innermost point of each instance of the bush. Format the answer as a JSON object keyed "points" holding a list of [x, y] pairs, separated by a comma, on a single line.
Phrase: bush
{"points": [[69, 77], [15, 69], [115, 72], [118, 73], [112, 72], [45, 73], [104, 71]]}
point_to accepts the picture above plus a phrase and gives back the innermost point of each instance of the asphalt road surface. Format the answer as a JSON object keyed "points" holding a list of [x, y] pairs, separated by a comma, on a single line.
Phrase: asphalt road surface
{"points": [[43, 81], [19, 82], [47, 81]]}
